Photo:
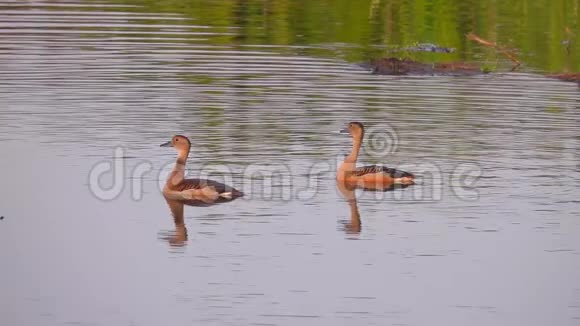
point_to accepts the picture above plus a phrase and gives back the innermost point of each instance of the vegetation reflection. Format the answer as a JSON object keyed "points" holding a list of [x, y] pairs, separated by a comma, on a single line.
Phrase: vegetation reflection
{"points": [[544, 32]]}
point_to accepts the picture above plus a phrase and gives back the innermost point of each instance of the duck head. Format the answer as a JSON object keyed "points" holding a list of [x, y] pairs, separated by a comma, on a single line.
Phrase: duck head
{"points": [[179, 142], [354, 129]]}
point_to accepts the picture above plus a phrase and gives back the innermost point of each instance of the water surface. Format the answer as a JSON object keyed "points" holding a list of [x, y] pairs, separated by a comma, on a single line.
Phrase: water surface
{"points": [[86, 83]]}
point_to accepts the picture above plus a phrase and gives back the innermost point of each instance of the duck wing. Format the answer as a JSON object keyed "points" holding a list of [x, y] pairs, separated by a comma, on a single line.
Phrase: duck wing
{"points": [[371, 169], [203, 183]]}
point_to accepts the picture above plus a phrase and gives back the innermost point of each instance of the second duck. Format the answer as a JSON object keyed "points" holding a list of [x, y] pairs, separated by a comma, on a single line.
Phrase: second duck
{"points": [[370, 176]]}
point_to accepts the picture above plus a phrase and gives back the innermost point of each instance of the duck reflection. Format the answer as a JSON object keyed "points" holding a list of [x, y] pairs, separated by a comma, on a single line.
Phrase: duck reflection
{"points": [[347, 190], [354, 225], [178, 237]]}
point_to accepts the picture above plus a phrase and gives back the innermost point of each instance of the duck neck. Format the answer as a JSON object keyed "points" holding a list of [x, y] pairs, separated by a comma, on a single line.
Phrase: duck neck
{"points": [[353, 156], [349, 163], [178, 173]]}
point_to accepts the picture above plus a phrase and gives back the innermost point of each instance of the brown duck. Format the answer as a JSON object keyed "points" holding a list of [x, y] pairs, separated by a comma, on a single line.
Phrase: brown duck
{"points": [[371, 177], [202, 190]]}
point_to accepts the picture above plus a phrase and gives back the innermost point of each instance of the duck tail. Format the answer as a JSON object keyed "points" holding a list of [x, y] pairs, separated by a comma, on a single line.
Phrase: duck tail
{"points": [[226, 195], [236, 193], [232, 194]]}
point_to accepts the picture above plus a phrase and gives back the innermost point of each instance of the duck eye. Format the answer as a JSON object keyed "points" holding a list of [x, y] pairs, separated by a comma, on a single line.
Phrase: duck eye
{"points": [[176, 139]]}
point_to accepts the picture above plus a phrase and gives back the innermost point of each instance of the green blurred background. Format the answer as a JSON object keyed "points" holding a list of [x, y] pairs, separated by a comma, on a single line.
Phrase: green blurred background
{"points": [[360, 30]]}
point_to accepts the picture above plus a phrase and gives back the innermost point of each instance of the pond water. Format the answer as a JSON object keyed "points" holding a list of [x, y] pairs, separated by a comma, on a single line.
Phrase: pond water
{"points": [[88, 91]]}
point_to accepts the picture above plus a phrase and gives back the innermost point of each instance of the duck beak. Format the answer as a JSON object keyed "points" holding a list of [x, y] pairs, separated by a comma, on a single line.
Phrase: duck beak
{"points": [[168, 144], [344, 131]]}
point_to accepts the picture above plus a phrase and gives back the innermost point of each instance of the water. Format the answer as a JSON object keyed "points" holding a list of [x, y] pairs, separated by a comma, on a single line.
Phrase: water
{"points": [[87, 84]]}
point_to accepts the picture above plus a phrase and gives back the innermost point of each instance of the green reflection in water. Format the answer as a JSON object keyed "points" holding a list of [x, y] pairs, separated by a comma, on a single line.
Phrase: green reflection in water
{"points": [[360, 30]]}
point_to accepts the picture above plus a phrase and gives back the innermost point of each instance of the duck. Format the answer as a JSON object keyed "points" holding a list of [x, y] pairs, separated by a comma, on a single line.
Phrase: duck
{"points": [[193, 190], [370, 177]]}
